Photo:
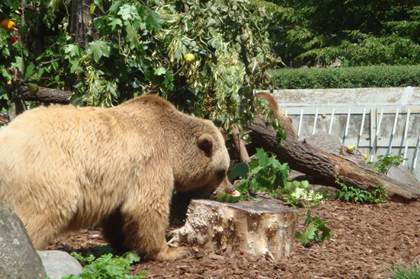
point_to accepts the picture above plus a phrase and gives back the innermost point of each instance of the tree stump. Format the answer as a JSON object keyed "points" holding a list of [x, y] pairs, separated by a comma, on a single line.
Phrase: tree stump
{"points": [[257, 229]]}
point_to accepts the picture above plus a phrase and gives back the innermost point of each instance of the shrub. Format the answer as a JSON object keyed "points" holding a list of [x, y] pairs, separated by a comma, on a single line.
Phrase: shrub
{"points": [[403, 272], [265, 174], [351, 77], [315, 230], [385, 162], [107, 267], [353, 194]]}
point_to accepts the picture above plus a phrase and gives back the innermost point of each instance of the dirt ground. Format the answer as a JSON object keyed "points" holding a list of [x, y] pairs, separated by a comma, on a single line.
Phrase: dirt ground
{"points": [[367, 240]]}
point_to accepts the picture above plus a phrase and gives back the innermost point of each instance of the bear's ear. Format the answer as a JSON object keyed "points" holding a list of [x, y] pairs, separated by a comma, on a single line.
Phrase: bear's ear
{"points": [[205, 143]]}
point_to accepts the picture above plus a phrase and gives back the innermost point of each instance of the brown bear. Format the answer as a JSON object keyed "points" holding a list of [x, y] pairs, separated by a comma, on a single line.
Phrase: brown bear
{"points": [[63, 168]]}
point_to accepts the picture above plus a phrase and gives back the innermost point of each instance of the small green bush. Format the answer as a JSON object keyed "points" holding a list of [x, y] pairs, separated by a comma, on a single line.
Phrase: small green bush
{"points": [[412, 272], [265, 174], [385, 162], [315, 230], [346, 77], [107, 266], [350, 193], [298, 193]]}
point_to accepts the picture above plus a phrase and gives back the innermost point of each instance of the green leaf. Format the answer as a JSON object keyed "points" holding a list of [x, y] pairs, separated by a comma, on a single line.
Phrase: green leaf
{"points": [[18, 64], [99, 49], [262, 157], [160, 71], [72, 50], [238, 170], [29, 71], [132, 36], [132, 257], [115, 6], [153, 22], [98, 3], [5, 74], [128, 12], [114, 22], [168, 82], [108, 266], [315, 230]]}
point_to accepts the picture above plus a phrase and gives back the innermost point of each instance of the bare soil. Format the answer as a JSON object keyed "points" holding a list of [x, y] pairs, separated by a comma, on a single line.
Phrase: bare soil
{"points": [[367, 241]]}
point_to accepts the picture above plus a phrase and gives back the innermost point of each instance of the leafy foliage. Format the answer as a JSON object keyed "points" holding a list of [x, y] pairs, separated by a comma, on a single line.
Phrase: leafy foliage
{"points": [[350, 193], [385, 162], [315, 230], [267, 175], [352, 77], [204, 56], [298, 193], [404, 272], [107, 267], [350, 33]]}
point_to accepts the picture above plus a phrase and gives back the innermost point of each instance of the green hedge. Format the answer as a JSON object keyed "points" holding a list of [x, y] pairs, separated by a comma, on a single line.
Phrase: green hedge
{"points": [[351, 77]]}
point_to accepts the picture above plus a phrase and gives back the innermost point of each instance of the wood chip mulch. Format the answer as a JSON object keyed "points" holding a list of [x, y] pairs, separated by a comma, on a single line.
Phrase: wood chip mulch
{"points": [[367, 241]]}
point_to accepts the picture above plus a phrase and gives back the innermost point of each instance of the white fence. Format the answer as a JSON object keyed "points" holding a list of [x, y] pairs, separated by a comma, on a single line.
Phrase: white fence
{"points": [[376, 120]]}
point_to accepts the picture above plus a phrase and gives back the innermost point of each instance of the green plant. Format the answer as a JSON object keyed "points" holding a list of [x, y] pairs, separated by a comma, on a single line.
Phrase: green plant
{"points": [[406, 272], [298, 193], [266, 174], [354, 33], [385, 162], [107, 266], [263, 174], [315, 230], [347, 77], [204, 56], [353, 194]]}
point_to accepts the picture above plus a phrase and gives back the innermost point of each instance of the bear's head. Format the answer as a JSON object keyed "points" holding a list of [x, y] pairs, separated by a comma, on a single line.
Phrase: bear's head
{"points": [[205, 162]]}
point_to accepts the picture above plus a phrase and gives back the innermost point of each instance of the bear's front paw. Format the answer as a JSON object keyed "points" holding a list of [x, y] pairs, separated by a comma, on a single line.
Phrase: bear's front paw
{"points": [[172, 253]]}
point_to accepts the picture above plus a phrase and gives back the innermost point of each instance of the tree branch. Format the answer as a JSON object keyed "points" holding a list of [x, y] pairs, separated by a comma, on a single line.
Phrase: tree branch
{"points": [[44, 94]]}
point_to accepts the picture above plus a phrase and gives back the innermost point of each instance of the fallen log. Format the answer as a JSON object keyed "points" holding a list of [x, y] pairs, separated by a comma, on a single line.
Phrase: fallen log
{"points": [[326, 167], [43, 94], [256, 229]]}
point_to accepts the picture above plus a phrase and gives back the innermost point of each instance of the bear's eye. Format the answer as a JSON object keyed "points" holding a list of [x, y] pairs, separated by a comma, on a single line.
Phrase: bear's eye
{"points": [[221, 173]]}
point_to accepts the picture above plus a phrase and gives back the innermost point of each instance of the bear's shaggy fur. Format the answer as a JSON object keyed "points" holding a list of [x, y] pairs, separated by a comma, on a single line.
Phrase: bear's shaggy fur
{"points": [[63, 168]]}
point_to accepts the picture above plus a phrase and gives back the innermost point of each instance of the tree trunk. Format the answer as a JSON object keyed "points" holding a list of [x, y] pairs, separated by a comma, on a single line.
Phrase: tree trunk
{"points": [[326, 167], [17, 106], [257, 229], [80, 20], [240, 145]]}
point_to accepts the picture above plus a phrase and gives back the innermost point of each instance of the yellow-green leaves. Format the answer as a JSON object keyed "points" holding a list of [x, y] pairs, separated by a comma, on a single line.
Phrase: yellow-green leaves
{"points": [[99, 49]]}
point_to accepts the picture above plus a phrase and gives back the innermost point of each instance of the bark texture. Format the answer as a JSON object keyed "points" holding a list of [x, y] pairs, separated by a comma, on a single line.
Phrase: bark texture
{"points": [[80, 20], [45, 95], [256, 229], [326, 167]]}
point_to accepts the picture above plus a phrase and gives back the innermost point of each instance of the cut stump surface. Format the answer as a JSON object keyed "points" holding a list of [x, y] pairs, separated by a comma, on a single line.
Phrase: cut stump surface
{"points": [[263, 228]]}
